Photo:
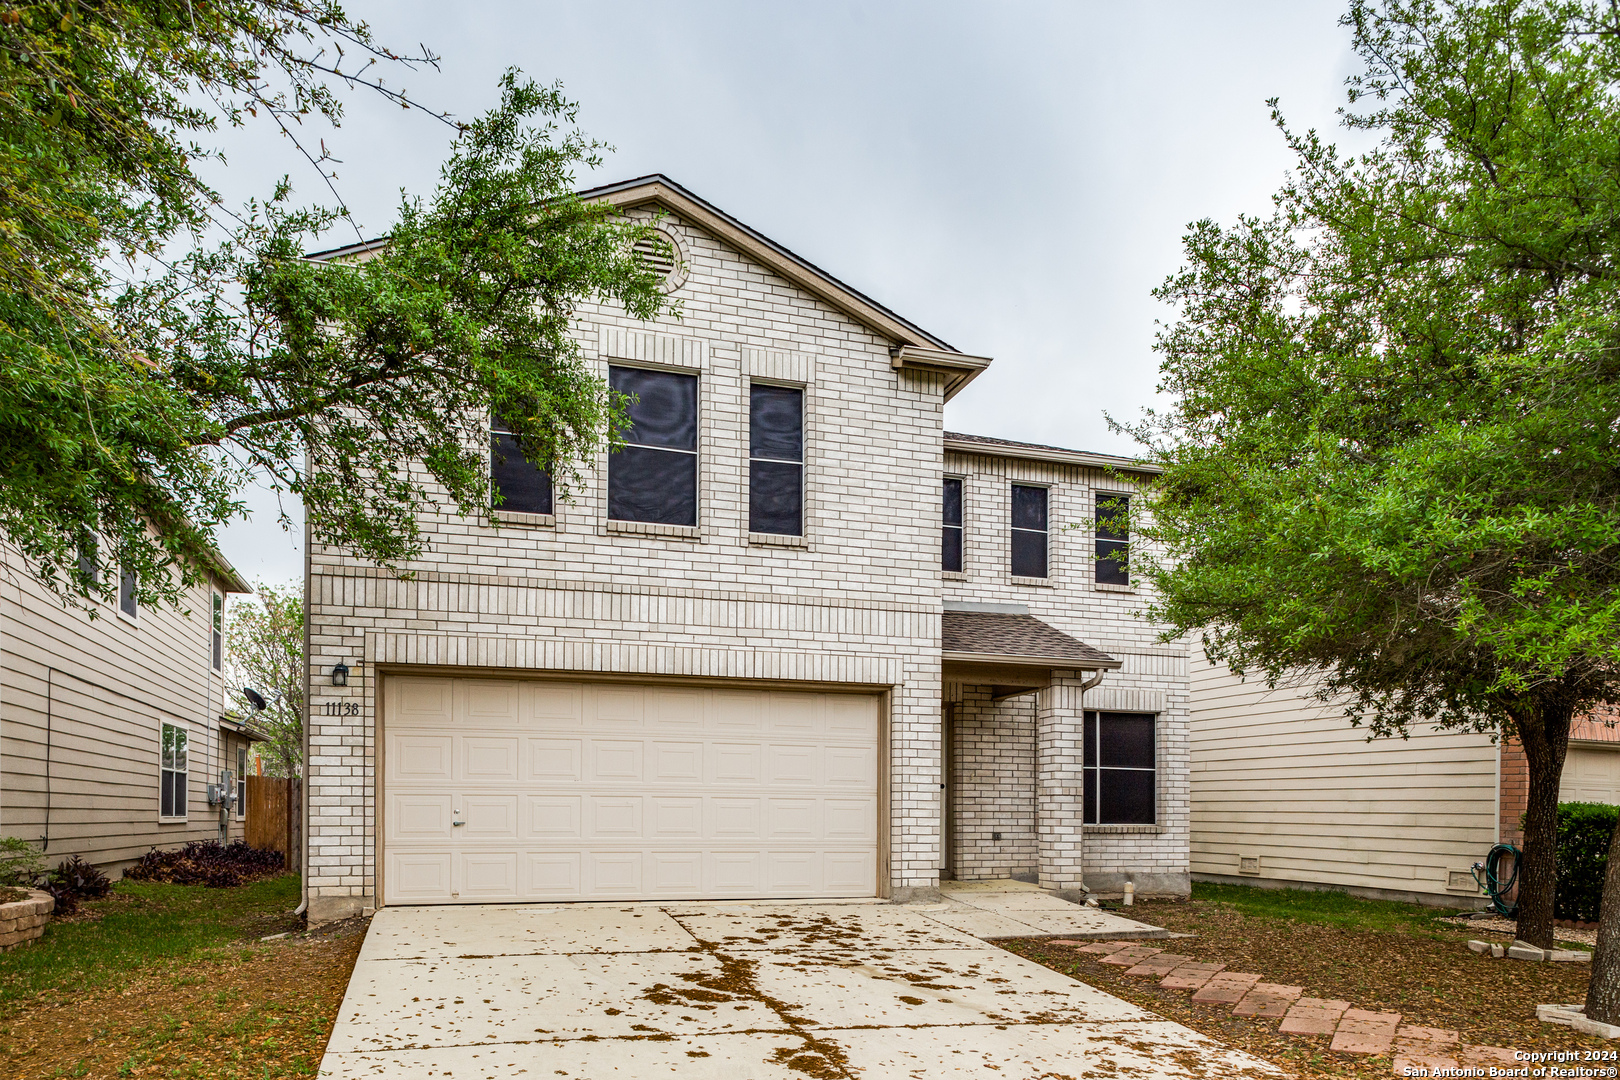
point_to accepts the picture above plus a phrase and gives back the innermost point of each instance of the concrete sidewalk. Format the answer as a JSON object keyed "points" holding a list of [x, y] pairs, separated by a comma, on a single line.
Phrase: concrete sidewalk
{"points": [[749, 991]]}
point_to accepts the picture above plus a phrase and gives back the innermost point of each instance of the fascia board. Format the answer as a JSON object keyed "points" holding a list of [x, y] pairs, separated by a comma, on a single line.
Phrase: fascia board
{"points": [[1060, 457]]}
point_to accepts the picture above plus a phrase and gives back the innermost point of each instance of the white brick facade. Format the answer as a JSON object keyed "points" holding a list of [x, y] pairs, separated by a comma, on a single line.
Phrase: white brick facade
{"points": [[855, 603], [995, 772]]}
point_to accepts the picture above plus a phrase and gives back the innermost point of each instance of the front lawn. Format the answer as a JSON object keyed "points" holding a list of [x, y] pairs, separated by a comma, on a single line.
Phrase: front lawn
{"points": [[174, 981], [1374, 954]]}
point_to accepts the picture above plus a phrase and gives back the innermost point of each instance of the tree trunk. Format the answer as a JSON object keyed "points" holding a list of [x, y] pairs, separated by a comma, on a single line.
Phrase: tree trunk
{"points": [[1543, 729], [1603, 992]]}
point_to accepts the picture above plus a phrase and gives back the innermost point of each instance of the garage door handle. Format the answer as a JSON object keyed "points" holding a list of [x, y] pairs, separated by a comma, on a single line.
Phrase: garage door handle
{"points": [[458, 824]]}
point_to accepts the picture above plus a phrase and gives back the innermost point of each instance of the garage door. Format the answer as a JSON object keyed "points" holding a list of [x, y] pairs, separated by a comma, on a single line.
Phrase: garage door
{"points": [[500, 790], [1590, 775]]}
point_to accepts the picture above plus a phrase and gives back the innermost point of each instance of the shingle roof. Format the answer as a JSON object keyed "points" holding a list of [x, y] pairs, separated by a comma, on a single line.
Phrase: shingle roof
{"points": [[988, 441], [1017, 636]]}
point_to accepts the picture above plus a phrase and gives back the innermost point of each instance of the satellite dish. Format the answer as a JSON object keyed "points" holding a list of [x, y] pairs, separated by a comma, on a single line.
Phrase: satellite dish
{"points": [[255, 698]]}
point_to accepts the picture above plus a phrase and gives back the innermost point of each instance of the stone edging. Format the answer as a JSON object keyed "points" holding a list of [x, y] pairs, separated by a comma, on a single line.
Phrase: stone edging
{"points": [[21, 921]]}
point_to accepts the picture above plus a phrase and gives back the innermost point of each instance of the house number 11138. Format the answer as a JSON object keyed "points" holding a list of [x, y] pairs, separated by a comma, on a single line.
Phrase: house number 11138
{"points": [[341, 708]]}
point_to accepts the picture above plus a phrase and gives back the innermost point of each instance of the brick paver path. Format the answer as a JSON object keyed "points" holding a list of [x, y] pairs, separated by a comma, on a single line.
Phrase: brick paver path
{"points": [[1363, 1032], [1227, 988], [1268, 999], [1313, 1016], [1191, 976], [1354, 1031]]}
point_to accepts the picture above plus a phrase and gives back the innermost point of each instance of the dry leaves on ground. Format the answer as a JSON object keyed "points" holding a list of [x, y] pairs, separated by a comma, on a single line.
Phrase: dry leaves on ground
{"points": [[1431, 979], [262, 1009]]}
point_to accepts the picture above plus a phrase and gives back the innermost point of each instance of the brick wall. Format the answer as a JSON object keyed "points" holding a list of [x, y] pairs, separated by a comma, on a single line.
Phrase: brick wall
{"points": [[992, 785], [1154, 678], [857, 601]]}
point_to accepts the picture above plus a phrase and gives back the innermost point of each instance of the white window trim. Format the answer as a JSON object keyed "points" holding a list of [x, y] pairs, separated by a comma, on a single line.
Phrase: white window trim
{"points": [[1097, 495], [802, 537], [241, 783], [118, 602], [1051, 561], [216, 632], [174, 819], [961, 575], [698, 531]]}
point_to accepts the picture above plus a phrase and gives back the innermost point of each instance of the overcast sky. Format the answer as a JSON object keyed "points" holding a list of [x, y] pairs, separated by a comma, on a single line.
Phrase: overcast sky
{"points": [[1014, 177]]}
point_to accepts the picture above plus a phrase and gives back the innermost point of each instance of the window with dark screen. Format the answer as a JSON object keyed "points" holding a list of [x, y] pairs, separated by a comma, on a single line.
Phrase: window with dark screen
{"points": [[1028, 531], [129, 593], [776, 460], [951, 531], [1118, 756], [653, 478], [1113, 538], [523, 487]]}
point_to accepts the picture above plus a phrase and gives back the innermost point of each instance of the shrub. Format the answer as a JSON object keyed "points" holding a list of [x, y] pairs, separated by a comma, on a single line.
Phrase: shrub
{"points": [[208, 862], [1584, 830], [20, 864], [74, 880]]}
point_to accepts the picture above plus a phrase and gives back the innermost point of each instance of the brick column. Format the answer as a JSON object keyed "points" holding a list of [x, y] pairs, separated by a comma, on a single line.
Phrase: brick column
{"points": [[1059, 783]]}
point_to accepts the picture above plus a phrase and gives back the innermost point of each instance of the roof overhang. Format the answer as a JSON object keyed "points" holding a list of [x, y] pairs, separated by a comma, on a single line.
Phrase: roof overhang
{"points": [[1049, 453], [959, 369], [238, 727], [221, 566], [1044, 663]]}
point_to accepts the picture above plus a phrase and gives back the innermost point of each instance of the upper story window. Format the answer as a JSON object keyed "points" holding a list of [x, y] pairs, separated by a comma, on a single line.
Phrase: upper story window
{"points": [[129, 593], [776, 460], [1113, 539], [218, 654], [89, 570], [951, 532], [172, 773], [1029, 531], [654, 477], [524, 488], [1118, 759]]}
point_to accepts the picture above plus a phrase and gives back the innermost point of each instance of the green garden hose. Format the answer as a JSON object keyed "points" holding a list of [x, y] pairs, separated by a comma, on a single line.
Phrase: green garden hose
{"points": [[1498, 884]]}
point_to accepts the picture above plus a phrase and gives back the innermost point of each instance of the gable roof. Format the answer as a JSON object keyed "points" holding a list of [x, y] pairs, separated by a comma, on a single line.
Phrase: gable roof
{"points": [[911, 347]]}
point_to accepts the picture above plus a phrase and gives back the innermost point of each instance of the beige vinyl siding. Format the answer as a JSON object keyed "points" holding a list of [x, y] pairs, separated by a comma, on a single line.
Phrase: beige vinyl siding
{"points": [[115, 682], [1280, 777]]}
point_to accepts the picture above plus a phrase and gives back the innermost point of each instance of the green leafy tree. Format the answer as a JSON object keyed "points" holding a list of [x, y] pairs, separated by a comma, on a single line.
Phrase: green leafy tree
{"points": [[265, 652], [133, 408], [1391, 462]]}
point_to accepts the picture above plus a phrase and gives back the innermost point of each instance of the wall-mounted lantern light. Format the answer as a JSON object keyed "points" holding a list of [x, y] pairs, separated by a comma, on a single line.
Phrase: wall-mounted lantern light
{"points": [[340, 674]]}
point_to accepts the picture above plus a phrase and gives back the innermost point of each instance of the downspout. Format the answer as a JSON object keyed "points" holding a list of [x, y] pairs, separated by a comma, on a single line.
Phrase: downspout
{"points": [[303, 786], [1089, 683]]}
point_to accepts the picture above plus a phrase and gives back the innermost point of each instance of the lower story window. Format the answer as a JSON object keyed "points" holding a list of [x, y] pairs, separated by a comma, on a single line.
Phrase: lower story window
{"points": [[172, 773], [1121, 784], [241, 782]]}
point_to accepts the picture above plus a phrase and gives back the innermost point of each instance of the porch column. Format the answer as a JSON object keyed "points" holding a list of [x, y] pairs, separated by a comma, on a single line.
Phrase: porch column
{"points": [[1059, 784]]}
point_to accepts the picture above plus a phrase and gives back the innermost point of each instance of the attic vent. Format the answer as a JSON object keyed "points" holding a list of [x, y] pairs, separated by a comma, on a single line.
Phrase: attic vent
{"points": [[1248, 864], [658, 255]]}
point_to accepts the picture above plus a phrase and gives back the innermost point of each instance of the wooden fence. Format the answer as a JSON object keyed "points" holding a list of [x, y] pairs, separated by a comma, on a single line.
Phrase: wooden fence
{"points": [[273, 807]]}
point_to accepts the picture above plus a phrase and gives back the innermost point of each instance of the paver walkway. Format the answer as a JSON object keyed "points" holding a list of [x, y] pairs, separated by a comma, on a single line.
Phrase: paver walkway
{"points": [[1354, 1031]]}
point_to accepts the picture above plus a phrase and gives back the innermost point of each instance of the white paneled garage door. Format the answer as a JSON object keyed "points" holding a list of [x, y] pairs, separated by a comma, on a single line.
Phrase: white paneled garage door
{"points": [[1591, 774], [501, 790]]}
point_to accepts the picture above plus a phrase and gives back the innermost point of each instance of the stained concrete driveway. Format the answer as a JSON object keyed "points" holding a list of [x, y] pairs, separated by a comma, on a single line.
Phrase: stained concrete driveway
{"points": [[745, 991]]}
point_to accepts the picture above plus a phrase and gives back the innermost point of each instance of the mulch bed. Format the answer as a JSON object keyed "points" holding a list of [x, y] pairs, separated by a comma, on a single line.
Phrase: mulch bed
{"points": [[258, 1010], [1430, 978]]}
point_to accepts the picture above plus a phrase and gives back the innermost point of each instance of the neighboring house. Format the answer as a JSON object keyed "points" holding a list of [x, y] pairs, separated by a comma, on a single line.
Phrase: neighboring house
{"points": [[112, 726], [1286, 792], [793, 641]]}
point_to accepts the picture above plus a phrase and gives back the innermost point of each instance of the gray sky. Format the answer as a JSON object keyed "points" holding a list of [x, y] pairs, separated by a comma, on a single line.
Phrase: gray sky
{"points": [[1015, 177]]}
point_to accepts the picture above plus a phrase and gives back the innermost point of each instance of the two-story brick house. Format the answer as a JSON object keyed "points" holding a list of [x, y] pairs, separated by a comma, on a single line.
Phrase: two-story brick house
{"points": [[792, 641]]}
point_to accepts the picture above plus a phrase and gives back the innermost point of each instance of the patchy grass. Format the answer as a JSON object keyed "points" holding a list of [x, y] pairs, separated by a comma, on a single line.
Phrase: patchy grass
{"points": [[173, 981], [1374, 954], [1315, 907]]}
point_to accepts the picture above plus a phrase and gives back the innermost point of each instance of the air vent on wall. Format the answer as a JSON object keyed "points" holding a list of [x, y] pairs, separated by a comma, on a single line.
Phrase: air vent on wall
{"points": [[1248, 864], [658, 255], [1461, 881]]}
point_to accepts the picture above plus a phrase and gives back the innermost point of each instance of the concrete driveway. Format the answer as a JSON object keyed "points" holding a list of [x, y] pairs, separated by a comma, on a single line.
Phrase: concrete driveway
{"points": [[746, 991]]}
